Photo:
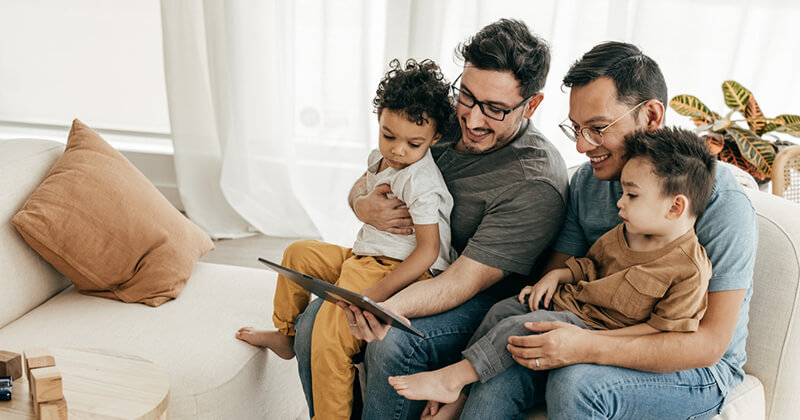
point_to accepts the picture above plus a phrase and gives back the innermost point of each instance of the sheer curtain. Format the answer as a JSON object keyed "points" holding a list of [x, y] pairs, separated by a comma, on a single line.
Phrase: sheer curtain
{"points": [[270, 101]]}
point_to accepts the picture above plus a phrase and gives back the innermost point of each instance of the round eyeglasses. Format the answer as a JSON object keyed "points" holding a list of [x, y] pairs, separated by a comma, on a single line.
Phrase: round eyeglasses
{"points": [[593, 135]]}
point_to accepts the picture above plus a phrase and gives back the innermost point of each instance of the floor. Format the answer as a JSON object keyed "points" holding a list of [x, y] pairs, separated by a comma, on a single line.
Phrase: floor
{"points": [[245, 251]]}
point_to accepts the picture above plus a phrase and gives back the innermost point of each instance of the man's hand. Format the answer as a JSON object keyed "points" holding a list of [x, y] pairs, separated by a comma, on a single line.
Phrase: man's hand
{"points": [[384, 213], [364, 325], [557, 344]]}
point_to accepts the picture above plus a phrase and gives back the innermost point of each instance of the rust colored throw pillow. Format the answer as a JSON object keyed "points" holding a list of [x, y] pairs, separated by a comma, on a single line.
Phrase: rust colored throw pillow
{"points": [[105, 227]]}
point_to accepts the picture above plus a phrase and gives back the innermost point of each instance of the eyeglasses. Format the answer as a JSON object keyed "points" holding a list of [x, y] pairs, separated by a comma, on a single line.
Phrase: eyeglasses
{"points": [[594, 135], [491, 111]]}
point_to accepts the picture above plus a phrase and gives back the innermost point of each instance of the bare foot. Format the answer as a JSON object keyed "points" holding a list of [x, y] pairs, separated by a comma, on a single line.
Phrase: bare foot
{"points": [[443, 385], [450, 411], [280, 344]]}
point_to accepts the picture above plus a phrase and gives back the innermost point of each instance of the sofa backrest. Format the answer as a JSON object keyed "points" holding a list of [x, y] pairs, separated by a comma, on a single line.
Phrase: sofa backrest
{"points": [[773, 342], [26, 280]]}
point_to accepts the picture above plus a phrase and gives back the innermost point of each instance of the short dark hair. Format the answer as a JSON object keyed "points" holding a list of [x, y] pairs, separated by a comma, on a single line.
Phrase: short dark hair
{"points": [[508, 45], [418, 89], [680, 159], [636, 76]]}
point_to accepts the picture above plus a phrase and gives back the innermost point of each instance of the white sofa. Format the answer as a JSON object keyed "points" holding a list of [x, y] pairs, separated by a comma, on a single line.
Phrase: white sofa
{"points": [[212, 374]]}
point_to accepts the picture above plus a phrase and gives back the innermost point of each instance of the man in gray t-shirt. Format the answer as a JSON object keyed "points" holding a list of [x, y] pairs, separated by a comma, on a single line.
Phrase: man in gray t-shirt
{"points": [[509, 187]]}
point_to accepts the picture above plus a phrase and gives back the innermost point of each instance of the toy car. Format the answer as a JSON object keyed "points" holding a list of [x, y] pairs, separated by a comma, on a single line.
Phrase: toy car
{"points": [[5, 388]]}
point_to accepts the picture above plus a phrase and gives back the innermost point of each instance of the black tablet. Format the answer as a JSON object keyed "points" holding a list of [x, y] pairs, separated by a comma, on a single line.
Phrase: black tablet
{"points": [[333, 293]]}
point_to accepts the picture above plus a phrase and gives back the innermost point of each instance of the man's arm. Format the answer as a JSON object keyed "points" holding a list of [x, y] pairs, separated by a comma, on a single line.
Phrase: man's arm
{"points": [[376, 209], [560, 344], [459, 283], [408, 271]]}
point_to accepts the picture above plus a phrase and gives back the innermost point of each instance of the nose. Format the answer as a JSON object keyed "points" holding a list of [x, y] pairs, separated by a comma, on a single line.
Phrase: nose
{"points": [[582, 145], [620, 202], [398, 150], [474, 117]]}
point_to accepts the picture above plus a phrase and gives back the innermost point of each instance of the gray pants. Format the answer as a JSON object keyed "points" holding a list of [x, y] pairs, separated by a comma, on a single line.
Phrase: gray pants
{"points": [[486, 349]]}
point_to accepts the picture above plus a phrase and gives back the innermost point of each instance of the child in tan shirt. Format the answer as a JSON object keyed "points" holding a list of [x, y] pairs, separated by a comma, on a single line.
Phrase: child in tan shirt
{"points": [[649, 273]]}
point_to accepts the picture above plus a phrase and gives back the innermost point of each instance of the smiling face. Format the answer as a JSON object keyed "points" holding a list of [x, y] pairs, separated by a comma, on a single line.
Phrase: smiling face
{"points": [[479, 133], [403, 142], [643, 207], [596, 105]]}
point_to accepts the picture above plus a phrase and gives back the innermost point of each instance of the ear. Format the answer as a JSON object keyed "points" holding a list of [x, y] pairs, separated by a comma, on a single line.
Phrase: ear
{"points": [[654, 114], [533, 104], [679, 206], [436, 138]]}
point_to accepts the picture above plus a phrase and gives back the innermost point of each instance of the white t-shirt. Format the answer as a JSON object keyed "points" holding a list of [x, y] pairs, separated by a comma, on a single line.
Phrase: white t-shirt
{"points": [[424, 191]]}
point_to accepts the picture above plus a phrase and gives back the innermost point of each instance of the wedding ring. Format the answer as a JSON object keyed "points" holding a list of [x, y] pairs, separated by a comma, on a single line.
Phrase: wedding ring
{"points": [[355, 325], [536, 360]]}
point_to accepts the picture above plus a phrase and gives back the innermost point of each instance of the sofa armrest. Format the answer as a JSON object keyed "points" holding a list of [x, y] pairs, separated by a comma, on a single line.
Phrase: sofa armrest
{"points": [[773, 342]]}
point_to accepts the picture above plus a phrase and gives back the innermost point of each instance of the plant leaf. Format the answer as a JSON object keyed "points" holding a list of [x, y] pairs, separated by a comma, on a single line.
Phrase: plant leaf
{"points": [[730, 154], [788, 118], [755, 118], [692, 107], [736, 96], [791, 129], [780, 121], [715, 142], [759, 153]]}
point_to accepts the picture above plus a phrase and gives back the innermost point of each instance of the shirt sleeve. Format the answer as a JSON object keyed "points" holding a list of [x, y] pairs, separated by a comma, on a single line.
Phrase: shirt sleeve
{"points": [[571, 240], [682, 306], [728, 230], [521, 223]]}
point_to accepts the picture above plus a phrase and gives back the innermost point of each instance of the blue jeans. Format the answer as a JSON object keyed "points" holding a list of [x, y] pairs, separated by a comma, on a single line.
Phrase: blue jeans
{"points": [[589, 391], [399, 353]]}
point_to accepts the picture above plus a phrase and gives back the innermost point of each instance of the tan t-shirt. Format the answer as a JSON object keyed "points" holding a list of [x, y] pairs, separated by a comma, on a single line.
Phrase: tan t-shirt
{"points": [[615, 286]]}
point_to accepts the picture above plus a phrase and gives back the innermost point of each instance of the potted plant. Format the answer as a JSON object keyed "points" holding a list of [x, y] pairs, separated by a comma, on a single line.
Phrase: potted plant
{"points": [[752, 148]]}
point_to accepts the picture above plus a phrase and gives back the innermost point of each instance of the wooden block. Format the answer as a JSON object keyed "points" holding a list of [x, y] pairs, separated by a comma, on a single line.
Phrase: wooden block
{"points": [[10, 364], [46, 384], [53, 410], [38, 358]]}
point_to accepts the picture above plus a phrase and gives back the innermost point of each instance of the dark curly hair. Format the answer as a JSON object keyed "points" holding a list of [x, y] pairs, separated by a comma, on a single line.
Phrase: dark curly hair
{"points": [[508, 45], [418, 90]]}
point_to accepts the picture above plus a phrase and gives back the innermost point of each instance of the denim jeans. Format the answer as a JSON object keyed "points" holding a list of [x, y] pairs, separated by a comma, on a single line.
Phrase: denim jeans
{"points": [[399, 353], [587, 391]]}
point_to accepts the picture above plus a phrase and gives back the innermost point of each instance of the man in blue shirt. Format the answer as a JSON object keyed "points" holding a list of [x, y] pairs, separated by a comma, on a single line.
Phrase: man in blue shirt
{"points": [[614, 90]]}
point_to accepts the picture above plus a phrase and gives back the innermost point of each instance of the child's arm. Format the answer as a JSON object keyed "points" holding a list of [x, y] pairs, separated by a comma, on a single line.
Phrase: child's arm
{"points": [[420, 260]]}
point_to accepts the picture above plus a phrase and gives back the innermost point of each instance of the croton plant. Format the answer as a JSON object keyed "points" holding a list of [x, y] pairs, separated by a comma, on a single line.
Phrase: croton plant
{"points": [[752, 148]]}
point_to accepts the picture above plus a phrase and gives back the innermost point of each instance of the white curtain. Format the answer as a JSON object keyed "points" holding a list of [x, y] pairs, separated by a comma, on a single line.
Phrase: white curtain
{"points": [[270, 101]]}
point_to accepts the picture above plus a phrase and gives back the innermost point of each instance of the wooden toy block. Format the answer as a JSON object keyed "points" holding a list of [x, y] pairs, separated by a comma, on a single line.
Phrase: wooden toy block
{"points": [[53, 410], [10, 364], [38, 358], [46, 384]]}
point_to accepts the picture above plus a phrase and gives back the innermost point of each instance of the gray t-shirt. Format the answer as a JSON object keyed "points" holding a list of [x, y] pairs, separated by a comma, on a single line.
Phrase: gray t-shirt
{"points": [[508, 204], [727, 230], [421, 187]]}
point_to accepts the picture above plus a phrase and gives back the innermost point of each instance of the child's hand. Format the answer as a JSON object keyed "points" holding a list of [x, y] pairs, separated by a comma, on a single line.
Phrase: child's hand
{"points": [[542, 291]]}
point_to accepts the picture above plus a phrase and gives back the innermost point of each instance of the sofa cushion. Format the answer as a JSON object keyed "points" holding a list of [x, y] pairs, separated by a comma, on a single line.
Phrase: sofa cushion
{"points": [[190, 338], [101, 223], [26, 279]]}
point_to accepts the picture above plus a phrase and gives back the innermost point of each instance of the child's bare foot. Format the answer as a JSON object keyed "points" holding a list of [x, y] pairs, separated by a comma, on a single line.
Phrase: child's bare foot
{"points": [[443, 385], [280, 344]]}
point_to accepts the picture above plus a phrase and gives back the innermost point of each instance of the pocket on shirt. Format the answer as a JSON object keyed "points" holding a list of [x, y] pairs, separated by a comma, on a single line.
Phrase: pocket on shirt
{"points": [[637, 295]]}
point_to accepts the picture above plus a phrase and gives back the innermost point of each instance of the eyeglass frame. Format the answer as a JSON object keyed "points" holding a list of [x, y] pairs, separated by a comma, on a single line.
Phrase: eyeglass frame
{"points": [[572, 133], [457, 93]]}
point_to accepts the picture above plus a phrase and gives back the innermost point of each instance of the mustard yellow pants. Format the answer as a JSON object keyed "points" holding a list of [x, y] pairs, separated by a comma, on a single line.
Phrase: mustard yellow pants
{"points": [[332, 345]]}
